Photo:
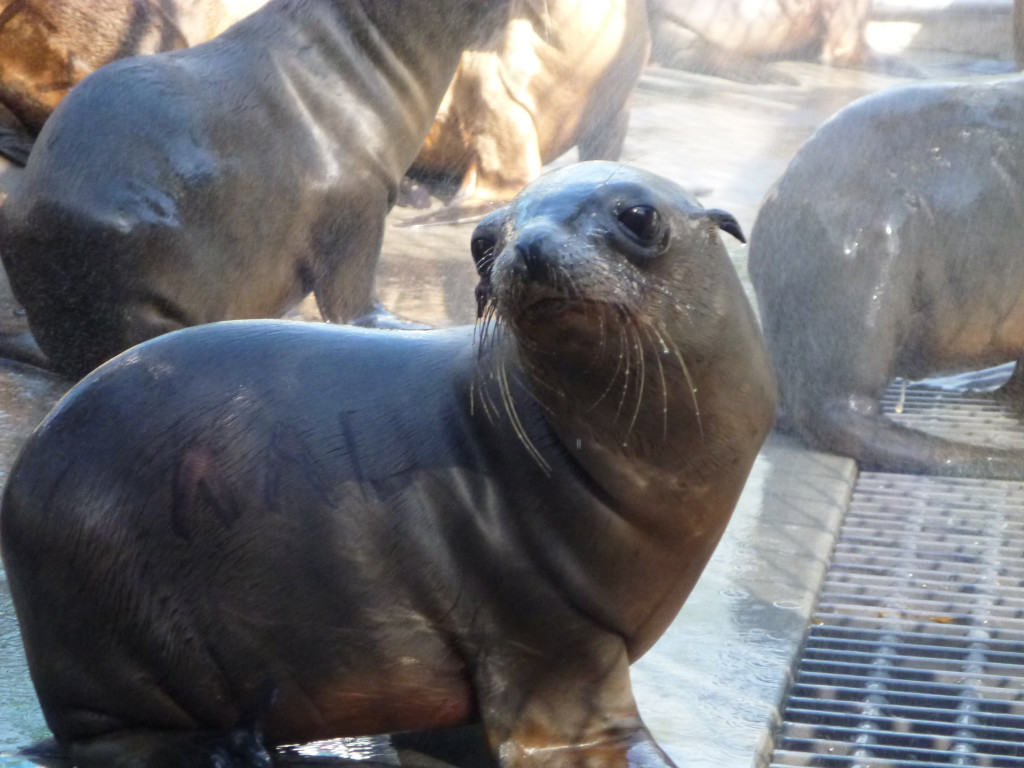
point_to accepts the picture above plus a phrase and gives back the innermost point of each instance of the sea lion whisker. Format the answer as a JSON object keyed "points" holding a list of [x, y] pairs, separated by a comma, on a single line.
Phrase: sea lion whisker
{"points": [[603, 350], [491, 337], [626, 355], [641, 374], [689, 381], [486, 325], [656, 336], [479, 337], [561, 271], [517, 424], [663, 291]]}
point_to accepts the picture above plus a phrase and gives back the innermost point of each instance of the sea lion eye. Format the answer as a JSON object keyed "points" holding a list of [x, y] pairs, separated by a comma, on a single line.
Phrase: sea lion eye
{"points": [[482, 247], [643, 222]]}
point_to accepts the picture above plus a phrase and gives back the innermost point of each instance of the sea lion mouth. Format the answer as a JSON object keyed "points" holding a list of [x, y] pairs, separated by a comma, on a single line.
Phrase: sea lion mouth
{"points": [[552, 308], [548, 308]]}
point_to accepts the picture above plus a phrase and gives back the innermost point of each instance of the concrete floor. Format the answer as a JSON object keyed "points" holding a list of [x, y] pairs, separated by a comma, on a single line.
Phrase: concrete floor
{"points": [[711, 687]]}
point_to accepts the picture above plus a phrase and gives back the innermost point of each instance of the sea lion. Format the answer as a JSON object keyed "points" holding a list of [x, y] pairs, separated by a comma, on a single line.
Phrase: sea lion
{"points": [[729, 37], [46, 46], [229, 179], [271, 532], [891, 247], [560, 74], [1018, 33]]}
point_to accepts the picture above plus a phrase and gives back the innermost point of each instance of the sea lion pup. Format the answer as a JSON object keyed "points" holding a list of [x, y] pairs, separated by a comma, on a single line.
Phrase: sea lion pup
{"points": [[46, 46], [314, 530], [560, 74], [229, 179], [891, 247]]}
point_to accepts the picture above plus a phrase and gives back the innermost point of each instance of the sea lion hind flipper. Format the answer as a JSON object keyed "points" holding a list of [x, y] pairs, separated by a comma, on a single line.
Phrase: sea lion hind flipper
{"points": [[46, 752], [880, 444], [1012, 391]]}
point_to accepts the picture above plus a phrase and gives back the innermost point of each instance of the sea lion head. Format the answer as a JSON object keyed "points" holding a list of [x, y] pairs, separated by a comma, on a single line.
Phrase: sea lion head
{"points": [[617, 292], [593, 246]]}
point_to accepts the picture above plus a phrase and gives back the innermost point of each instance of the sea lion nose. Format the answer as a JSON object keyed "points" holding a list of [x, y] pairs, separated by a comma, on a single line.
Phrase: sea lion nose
{"points": [[537, 252]]}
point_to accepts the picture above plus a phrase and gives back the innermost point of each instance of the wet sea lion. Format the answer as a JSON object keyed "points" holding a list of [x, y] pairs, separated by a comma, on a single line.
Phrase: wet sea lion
{"points": [[229, 179], [46, 46], [891, 247], [304, 530], [560, 74], [728, 36]]}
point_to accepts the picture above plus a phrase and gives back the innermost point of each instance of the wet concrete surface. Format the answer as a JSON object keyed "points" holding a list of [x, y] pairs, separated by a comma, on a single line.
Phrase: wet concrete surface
{"points": [[711, 687]]}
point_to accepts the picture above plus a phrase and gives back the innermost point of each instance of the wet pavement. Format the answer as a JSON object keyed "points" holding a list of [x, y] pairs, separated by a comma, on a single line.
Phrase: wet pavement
{"points": [[710, 689]]}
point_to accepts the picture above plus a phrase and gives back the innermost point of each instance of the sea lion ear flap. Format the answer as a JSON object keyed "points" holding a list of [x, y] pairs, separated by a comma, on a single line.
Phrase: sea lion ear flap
{"points": [[726, 222]]}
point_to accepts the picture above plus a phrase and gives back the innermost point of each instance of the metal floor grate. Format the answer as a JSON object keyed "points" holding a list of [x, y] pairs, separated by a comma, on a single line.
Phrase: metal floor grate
{"points": [[971, 417], [915, 656]]}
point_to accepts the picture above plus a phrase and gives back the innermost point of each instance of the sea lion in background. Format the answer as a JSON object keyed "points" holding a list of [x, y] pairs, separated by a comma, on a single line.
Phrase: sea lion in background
{"points": [[305, 531], [728, 37], [46, 46], [891, 247], [1018, 32], [559, 74], [230, 179]]}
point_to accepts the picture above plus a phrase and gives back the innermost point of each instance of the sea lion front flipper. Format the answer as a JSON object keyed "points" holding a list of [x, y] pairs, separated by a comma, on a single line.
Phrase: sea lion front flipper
{"points": [[22, 348], [16, 139], [376, 315], [240, 748], [345, 254], [580, 712]]}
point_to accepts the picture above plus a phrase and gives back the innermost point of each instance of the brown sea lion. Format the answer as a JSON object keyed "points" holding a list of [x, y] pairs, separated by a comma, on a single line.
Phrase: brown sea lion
{"points": [[270, 532], [560, 74], [229, 179], [46, 46], [891, 247], [730, 36]]}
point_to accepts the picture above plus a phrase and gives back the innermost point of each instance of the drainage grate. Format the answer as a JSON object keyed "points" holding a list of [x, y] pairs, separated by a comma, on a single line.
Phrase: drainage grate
{"points": [[916, 653], [971, 417]]}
